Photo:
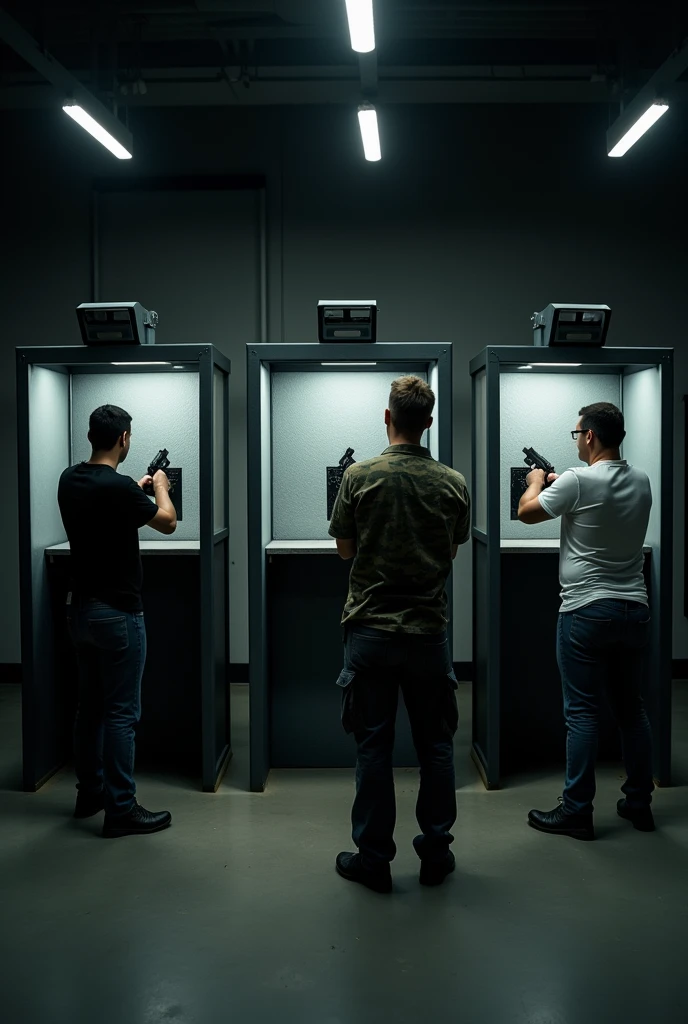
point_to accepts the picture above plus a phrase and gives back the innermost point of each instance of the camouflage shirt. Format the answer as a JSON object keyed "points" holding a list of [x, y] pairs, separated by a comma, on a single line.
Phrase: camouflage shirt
{"points": [[405, 511]]}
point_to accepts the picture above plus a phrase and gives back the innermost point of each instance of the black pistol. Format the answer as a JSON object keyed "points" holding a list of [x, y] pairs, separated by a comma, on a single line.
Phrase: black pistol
{"points": [[346, 459], [159, 462], [536, 461]]}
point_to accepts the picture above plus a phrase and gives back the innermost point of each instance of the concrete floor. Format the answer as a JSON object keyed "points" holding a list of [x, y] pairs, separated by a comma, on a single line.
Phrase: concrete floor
{"points": [[236, 914]]}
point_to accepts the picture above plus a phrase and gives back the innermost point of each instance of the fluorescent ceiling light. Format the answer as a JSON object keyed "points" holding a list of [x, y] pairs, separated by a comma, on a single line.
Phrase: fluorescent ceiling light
{"points": [[361, 25], [525, 367], [645, 121], [557, 364], [348, 364], [79, 115], [138, 363], [367, 119]]}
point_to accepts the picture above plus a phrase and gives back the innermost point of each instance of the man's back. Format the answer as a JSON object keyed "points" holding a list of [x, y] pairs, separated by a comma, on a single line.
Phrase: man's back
{"points": [[406, 512], [605, 511], [102, 512]]}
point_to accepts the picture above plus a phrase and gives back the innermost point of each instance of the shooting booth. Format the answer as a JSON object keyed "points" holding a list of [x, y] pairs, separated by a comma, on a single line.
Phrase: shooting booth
{"points": [[308, 405], [178, 398], [530, 397]]}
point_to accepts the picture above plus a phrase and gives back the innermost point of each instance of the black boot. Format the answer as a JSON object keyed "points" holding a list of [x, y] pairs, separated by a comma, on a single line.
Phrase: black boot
{"points": [[88, 804], [640, 817], [559, 823], [433, 872], [349, 866], [139, 822]]}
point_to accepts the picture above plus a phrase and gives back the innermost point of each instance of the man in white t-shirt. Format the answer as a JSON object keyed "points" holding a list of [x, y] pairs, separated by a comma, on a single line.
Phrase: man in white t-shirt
{"points": [[604, 620]]}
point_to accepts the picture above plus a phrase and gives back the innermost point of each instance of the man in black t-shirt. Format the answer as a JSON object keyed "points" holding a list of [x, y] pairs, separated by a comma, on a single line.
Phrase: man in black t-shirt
{"points": [[102, 512]]}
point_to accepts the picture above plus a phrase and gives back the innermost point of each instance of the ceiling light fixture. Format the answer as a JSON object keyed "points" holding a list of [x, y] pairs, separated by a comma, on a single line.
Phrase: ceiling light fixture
{"points": [[367, 119], [361, 25], [138, 363], [645, 121], [557, 364], [95, 129], [348, 364]]}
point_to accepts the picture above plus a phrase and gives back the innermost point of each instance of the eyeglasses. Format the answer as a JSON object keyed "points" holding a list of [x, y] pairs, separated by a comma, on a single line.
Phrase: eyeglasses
{"points": [[574, 432]]}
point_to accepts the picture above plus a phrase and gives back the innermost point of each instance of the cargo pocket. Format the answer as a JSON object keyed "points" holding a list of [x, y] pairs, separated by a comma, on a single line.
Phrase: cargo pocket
{"points": [[346, 684], [451, 707]]}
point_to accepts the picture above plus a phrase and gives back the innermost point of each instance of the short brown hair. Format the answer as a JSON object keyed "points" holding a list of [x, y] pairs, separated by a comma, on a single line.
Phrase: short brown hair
{"points": [[605, 420], [411, 402]]}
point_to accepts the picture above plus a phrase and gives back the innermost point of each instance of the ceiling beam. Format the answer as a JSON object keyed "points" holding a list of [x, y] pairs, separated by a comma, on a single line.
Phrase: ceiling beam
{"points": [[367, 66], [317, 91], [67, 87]]}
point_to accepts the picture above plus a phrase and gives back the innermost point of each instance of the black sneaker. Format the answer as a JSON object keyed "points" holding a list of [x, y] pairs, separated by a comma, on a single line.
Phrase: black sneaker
{"points": [[640, 817], [434, 872], [349, 866], [88, 804], [559, 823], [139, 822]]}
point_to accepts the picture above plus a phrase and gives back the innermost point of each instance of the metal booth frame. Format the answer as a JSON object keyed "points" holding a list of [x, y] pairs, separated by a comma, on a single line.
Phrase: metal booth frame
{"points": [[40, 765], [487, 667], [261, 361]]}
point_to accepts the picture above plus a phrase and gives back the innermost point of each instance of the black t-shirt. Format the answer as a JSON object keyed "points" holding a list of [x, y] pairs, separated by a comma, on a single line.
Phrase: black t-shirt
{"points": [[102, 513]]}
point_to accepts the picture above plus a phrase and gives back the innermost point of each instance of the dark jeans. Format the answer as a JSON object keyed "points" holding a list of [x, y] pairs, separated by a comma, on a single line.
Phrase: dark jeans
{"points": [[601, 649], [111, 653], [376, 663]]}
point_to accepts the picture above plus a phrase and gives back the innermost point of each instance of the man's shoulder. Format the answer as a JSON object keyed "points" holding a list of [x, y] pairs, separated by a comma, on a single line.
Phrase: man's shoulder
{"points": [[390, 461], [112, 479], [453, 476]]}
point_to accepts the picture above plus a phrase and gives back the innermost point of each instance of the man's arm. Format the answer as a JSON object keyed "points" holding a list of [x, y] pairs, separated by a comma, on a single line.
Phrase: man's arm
{"points": [[346, 548], [165, 519], [538, 505], [462, 528], [530, 511]]}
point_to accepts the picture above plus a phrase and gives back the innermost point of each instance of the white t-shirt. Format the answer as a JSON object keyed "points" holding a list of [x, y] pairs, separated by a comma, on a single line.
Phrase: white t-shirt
{"points": [[605, 510]]}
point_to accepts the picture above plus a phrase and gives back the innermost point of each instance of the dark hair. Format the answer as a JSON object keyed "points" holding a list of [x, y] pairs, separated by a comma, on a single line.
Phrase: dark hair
{"points": [[107, 423], [411, 402], [605, 421]]}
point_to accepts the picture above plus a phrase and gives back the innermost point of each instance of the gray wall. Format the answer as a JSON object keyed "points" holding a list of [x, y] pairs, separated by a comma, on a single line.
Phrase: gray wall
{"points": [[461, 231], [538, 410], [329, 412], [164, 411]]}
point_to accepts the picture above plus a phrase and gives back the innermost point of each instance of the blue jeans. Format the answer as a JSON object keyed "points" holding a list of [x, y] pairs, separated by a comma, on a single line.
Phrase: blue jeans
{"points": [[601, 648], [111, 653], [376, 663]]}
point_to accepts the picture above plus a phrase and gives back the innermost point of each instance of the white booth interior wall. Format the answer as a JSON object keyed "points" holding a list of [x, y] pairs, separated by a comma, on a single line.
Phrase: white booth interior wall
{"points": [[164, 411], [220, 468], [642, 445], [315, 418], [539, 410], [49, 456], [481, 469]]}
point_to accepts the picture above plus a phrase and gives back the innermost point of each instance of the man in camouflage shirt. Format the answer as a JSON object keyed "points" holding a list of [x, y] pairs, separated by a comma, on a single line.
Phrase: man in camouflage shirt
{"points": [[401, 516]]}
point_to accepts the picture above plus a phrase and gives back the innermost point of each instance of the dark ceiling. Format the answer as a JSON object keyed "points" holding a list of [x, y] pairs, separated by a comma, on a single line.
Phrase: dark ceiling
{"points": [[298, 50]]}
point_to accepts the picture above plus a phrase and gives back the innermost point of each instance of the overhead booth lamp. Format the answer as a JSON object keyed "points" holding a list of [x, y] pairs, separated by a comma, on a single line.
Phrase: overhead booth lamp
{"points": [[116, 323], [95, 129], [361, 25], [638, 129], [571, 323], [347, 320]]}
